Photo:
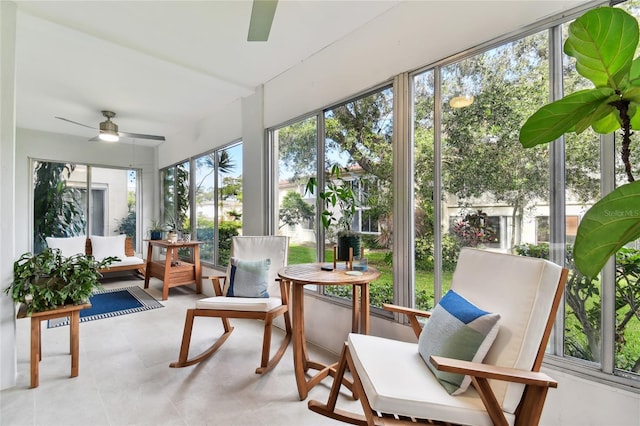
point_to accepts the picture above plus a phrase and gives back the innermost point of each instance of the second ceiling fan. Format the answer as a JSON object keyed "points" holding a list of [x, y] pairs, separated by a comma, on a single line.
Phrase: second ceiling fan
{"points": [[262, 13], [109, 130]]}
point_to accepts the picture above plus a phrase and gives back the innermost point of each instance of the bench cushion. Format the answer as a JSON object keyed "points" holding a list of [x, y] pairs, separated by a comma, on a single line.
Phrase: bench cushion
{"points": [[127, 261]]}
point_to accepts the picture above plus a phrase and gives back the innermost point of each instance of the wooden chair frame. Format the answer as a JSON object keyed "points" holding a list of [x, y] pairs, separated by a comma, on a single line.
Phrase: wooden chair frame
{"points": [[267, 363], [528, 412]]}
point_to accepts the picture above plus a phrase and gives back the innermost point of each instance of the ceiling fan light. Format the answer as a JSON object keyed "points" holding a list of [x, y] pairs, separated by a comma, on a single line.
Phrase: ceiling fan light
{"points": [[108, 136], [109, 130], [461, 101]]}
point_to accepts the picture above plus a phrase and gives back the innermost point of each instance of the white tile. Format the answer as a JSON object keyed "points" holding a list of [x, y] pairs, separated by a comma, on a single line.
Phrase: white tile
{"points": [[125, 377]]}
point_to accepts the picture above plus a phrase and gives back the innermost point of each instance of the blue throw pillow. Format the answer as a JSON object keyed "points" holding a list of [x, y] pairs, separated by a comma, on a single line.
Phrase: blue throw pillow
{"points": [[249, 278], [457, 329]]}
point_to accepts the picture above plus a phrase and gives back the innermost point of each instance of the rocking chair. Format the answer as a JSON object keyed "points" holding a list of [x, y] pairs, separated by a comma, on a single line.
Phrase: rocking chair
{"points": [[396, 384]]}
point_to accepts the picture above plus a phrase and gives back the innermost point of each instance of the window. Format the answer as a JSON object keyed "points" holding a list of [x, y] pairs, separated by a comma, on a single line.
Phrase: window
{"points": [[63, 209], [296, 146], [473, 184], [210, 198]]}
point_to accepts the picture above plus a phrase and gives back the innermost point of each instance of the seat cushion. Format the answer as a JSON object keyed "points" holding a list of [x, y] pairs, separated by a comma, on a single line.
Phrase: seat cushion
{"points": [[248, 278], [128, 261], [457, 329], [255, 304], [397, 380], [68, 246]]}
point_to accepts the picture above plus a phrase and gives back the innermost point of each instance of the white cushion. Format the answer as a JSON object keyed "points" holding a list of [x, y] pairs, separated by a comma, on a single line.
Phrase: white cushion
{"points": [[127, 261], [102, 247], [256, 304], [396, 380], [69, 246], [276, 248], [521, 289]]}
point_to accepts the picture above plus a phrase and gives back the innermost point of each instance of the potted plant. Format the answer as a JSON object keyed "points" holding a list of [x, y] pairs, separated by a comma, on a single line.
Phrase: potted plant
{"points": [[156, 230], [603, 41], [48, 280], [340, 202]]}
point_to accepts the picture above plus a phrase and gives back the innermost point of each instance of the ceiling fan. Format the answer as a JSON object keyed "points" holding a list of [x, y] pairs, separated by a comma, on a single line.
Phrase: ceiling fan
{"points": [[262, 14], [109, 130]]}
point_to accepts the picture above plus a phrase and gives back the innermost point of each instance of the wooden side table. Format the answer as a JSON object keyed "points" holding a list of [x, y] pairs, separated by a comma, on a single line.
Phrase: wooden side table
{"points": [[172, 271], [311, 273], [71, 311]]}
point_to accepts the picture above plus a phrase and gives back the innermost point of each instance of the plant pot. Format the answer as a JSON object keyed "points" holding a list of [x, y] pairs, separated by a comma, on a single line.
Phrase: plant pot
{"points": [[173, 237], [155, 235], [346, 241]]}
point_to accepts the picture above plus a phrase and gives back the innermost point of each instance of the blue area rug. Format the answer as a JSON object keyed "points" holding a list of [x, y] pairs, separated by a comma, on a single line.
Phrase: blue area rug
{"points": [[113, 303]]}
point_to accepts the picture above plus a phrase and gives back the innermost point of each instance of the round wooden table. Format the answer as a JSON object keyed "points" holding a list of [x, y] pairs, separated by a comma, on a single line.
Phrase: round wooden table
{"points": [[297, 276]]}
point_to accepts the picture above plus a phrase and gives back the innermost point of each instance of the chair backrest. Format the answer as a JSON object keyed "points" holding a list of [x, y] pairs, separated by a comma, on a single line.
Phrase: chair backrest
{"points": [[273, 247], [522, 290]]}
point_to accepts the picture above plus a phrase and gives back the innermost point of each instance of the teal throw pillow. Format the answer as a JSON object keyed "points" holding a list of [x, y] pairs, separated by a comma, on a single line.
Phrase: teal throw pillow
{"points": [[457, 329], [249, 278]]}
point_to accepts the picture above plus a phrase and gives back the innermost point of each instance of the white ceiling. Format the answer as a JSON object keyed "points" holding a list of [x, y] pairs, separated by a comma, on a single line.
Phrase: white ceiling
{"points": [[164, 65]]}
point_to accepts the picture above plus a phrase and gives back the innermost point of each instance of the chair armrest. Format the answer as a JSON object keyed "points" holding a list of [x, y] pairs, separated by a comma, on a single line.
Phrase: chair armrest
{"points": [[412, 315], [215, 280], [486, 371]]}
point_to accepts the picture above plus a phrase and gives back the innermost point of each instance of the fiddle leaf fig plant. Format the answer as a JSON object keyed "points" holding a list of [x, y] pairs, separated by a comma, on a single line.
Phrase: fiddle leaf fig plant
{"points": [[603, 42]]}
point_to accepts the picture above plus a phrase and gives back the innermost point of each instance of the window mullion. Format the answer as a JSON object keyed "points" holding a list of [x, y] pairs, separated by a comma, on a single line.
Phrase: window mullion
{"points": [[608, 274]]}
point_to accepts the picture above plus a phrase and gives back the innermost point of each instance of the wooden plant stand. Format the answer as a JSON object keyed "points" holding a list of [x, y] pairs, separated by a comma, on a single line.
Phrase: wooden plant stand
{"points": [[71, 311]]}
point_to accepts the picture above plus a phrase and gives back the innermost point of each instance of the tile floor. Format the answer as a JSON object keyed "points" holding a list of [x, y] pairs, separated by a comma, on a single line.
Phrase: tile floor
{"points": [[125, 377]]}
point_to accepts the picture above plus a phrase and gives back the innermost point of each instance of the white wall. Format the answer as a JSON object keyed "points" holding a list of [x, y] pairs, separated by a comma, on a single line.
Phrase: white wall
{"points": [[8, 369], [213, 131]]}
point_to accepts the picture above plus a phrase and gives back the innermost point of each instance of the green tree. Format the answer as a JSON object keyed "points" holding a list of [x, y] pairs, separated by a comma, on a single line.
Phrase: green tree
{"points": [[294, 210], [57, 209], [231, 188]]}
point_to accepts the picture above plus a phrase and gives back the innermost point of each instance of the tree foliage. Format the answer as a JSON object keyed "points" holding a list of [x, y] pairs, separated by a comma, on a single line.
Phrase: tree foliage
{"points": [[294, 210], [57, 207]]}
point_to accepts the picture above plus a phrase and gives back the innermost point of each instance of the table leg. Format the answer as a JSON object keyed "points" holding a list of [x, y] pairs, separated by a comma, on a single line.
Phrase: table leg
{"points": [[74, 339], [365, 302], [35, 351], [355, 308], [299, 355], [198, 270], [167, 273], [147, 274]]}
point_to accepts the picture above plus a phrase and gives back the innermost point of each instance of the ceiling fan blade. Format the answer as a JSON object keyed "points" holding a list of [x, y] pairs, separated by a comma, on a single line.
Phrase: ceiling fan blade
{"points": [[262, 14], [75, 122], [141, 136]]}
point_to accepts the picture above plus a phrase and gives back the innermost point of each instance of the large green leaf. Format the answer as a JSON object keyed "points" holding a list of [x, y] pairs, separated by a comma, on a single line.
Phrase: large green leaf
{"points": [[603, 41], [555, 119], [607, 226]]}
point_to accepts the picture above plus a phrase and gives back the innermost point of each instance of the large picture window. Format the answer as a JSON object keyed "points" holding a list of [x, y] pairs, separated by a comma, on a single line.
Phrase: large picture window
{"points": [[472, 184]]}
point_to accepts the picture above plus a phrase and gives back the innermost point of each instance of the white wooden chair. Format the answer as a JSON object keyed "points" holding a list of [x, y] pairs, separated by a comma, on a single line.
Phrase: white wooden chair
{"points": [[395, 385], [250, 254]]}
